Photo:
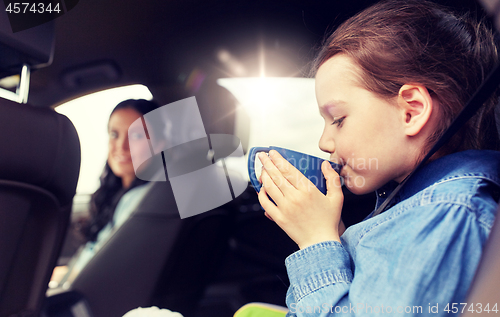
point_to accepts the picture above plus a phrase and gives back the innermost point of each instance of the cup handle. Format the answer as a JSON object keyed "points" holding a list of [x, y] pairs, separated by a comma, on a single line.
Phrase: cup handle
{"points": [[251, 166]]}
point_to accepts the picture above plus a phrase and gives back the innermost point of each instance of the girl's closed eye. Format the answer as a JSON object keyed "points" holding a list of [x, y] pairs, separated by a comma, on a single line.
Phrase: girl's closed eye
{"points": [[338, 121]]}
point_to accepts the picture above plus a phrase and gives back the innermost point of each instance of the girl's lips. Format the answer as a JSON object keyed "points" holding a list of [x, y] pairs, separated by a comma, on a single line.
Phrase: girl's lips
{"points": [[337, 161]]}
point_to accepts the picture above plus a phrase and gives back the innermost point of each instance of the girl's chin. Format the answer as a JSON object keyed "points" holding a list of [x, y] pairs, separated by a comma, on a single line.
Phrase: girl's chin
{"points": [[357, 190], [356, 184]]}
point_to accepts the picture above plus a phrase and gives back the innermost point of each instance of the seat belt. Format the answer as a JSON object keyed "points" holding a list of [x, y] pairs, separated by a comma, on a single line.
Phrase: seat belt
{"points": [[475, 103]]}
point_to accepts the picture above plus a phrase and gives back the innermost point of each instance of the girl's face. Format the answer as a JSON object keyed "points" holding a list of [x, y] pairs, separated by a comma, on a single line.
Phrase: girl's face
{"points": [[362, 131], [119, 157]]}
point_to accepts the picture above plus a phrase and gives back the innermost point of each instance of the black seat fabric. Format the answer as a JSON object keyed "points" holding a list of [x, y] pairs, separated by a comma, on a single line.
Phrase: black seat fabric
{"points": [[39, 167], [154, 258]]}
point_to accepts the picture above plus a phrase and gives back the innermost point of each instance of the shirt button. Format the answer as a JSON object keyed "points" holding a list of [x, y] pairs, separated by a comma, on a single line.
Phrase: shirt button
{"points": [[381, 194]]}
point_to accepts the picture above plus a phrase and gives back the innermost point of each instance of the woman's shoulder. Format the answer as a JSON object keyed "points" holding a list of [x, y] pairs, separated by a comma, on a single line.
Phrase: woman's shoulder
{"points": [[129, 201]]}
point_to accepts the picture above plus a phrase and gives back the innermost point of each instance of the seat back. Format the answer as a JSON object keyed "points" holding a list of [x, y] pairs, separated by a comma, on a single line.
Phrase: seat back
{"points": [[39, 166], [154, 258]]}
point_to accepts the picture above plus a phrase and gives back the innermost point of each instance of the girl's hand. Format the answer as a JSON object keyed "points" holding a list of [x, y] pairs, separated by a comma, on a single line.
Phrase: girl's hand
{"points": [[301, 210]]}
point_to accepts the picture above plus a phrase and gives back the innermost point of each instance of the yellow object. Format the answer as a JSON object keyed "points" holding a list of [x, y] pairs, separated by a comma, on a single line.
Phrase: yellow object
{"points": [[261, 310]]}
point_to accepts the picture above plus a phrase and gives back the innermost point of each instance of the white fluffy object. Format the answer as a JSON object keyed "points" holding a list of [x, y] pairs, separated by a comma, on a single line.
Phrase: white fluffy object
{"points": [[151, 312]]}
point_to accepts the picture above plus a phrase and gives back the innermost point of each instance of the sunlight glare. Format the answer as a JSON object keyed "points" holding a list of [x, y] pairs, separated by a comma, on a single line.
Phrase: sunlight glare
{"points": [[279, 111]]}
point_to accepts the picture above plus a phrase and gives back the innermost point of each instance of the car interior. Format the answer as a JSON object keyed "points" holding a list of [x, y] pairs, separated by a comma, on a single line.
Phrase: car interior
{"points": [[206, 265]]}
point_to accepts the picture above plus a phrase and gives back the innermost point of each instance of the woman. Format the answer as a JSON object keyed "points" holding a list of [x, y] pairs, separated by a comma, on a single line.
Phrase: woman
{"points": [[120, 190], [118, 176]]}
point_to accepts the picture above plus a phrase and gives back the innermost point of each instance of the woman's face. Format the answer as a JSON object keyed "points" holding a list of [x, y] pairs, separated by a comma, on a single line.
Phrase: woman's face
{"points": [[119, 158]]}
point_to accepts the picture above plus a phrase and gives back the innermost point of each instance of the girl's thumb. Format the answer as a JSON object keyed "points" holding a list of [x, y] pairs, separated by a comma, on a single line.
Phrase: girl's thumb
{"points": [[333, 180]]}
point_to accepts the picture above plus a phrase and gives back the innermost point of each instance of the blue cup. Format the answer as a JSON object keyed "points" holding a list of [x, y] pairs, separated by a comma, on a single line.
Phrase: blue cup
{"points": [[307, 164]]}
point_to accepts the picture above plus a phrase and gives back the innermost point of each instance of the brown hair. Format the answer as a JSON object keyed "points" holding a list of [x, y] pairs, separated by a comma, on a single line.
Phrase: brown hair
{"points": [[401, 42]]}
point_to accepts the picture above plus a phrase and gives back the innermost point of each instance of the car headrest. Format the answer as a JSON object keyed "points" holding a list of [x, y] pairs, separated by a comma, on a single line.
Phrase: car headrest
{"points": [[33, 47], [39, 147]]}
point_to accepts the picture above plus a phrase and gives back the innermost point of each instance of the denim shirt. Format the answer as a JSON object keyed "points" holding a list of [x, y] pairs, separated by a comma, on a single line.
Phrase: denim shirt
{"points": [[415, 258]]}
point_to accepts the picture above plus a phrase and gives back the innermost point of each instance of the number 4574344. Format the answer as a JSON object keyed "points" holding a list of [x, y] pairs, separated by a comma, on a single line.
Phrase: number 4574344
{"points": [[26, 7], [471, 307]]}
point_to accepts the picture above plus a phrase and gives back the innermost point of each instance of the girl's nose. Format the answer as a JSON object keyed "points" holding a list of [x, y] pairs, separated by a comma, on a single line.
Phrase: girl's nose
{"points": [[326, 143]]}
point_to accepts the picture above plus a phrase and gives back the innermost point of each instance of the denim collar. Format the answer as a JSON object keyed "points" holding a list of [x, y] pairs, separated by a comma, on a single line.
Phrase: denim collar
{"points": [[478, 163]]}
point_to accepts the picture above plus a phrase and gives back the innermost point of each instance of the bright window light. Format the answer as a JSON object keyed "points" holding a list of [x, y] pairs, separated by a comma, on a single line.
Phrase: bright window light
{"points": [[277, 111], [90, 115]]}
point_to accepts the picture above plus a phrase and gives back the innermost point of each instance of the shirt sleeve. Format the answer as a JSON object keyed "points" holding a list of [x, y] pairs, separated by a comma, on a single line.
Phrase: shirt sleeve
{"points": [[321, 270], [415, 263]]}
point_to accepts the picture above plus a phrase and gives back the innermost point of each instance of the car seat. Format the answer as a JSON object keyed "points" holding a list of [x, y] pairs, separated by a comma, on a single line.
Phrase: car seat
{"points": [[39, 167], [154, 258]]}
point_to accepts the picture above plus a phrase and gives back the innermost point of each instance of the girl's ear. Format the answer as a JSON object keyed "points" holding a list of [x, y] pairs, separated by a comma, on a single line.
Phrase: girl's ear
{"points": [[417, 106]]}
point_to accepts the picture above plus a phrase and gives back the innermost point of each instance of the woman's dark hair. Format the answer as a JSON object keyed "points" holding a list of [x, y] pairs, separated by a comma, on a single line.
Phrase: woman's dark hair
{"points": [[418, 42], [104, 201]]}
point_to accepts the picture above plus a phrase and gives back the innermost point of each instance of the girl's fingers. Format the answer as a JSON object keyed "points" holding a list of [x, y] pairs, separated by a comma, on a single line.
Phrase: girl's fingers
{"points": [[269, 217], [333, 180], [288, 171], [271, 170], [269, 207], [283, 174], [271, 188]]}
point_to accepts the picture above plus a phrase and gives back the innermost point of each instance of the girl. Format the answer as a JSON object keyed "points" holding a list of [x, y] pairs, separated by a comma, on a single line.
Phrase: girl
{"points": [[389, 81]]}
